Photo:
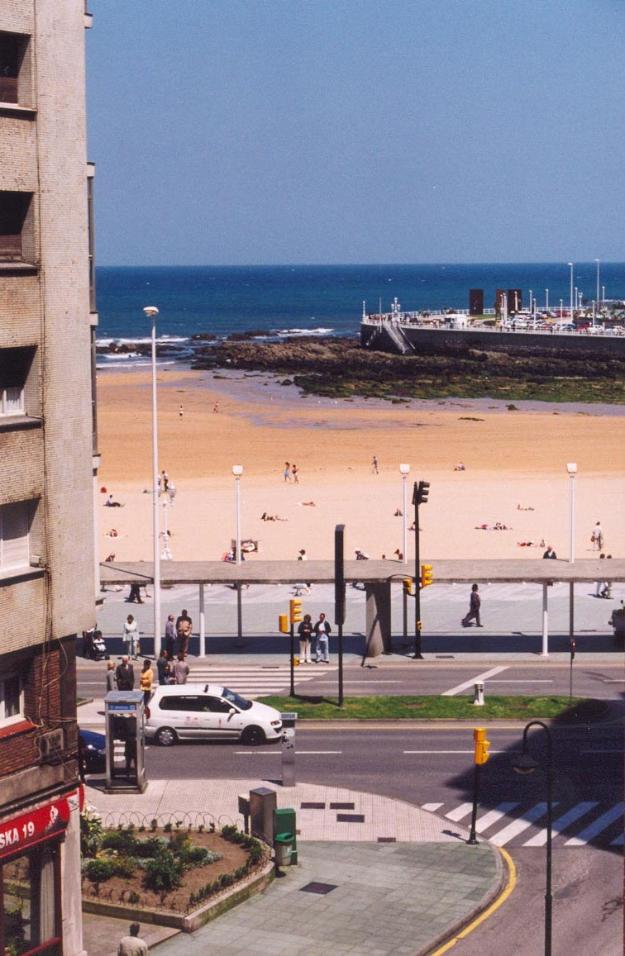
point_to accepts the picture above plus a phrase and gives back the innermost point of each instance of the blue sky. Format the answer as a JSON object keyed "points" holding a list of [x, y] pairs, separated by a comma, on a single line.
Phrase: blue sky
{"points": [[323, 131]]}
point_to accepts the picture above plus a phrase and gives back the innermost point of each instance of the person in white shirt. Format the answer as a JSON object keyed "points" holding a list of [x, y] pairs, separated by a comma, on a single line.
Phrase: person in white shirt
{"points": [[131, 637], [132, 945]]}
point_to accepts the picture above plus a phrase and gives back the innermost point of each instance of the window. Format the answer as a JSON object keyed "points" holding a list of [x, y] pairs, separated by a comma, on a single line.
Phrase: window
{"points": [[13, 47], [11, 700], [217, 706], [30, 902], [195, 704], [15, 520], [15, 365], [14, 209]]}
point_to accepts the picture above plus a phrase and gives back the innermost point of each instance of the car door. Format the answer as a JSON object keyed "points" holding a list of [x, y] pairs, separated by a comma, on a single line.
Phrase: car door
{"points": [[185, 713], [223, 723]]}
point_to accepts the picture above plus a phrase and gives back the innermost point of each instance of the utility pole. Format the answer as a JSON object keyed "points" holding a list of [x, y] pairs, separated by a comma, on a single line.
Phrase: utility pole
{"points": [[419, 497]]}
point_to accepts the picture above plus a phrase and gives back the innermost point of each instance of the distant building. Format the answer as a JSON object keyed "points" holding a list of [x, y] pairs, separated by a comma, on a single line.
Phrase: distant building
{"points": [[46, 467], [476, 301]]}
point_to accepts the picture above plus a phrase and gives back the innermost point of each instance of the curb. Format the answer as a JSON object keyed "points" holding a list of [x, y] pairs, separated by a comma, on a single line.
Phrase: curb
{"points": [[489, 904]]}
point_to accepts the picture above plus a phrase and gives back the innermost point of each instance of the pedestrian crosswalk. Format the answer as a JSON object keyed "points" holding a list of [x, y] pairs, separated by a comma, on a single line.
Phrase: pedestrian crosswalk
{"points": [[257, 681], [510, 823]]}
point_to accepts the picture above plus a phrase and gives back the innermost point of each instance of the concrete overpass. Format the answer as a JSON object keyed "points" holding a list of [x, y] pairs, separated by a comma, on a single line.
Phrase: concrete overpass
{"points": [[377, 576]]}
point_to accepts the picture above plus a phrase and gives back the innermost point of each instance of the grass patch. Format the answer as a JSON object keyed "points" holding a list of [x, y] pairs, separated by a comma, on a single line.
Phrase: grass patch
{"points": [[428, 707]]}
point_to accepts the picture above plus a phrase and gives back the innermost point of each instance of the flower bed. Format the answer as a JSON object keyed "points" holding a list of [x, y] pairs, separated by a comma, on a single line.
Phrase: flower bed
{"points": [[164, 870]]}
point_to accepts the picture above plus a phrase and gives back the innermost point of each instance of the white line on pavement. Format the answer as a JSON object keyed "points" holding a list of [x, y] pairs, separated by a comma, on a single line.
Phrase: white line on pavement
{"points": [[277, 753], [432, 807], [447, 751], [462, 811], [601, 823], [493, 816], [474, 680], [594, 751], [579, 810], [518, 826], [619, 840], [521, 681]]}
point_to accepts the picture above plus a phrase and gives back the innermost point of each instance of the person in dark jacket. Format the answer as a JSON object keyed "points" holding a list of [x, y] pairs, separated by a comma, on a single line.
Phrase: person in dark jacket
{"points": [[474, 608], [125, 675], [550, 553], [322, 633], [305, 633]]}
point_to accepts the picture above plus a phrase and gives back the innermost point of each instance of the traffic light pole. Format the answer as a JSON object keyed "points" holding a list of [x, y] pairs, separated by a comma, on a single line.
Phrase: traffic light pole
{"points": [[417, 580], [292, 640], [472, 841]]}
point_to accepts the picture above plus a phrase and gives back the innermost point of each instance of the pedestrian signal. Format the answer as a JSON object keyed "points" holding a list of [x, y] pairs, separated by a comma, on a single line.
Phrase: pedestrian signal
{"points": [[408, 586], [420, 492], [295, 610], [283, 623], [427, 577], [481, 745]]}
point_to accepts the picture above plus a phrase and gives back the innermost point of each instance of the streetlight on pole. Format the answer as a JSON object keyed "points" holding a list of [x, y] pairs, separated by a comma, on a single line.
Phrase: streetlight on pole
{"points": [[598, 261], [237, 471], [524, 763], [571, 289], [151, 312], [404, 470], [572, 471], [546, 300]]}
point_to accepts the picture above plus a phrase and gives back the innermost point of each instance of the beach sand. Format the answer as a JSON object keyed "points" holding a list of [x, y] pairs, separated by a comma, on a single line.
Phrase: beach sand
{"points": [[511, 457]]}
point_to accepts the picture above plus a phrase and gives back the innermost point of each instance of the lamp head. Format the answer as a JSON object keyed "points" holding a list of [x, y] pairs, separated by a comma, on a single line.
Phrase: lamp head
{"points": [[571, 468], [404, 469], [150, 311], [237, 470], [524, 763]]}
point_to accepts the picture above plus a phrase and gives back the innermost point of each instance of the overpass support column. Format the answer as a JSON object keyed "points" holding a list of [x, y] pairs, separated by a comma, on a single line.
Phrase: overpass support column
{"points": [[202, 623], [378, 619], [545, 650]]}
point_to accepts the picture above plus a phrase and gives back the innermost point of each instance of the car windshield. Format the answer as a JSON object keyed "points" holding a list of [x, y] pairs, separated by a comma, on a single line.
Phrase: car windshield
{"points": [[236, 699]]}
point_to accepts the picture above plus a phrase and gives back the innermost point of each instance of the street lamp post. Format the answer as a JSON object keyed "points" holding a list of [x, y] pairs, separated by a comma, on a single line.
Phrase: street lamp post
{"points": [[237, 471], [598, 261], [572, 471], [546, 300], [571, 289], [151, 312], [404, 471], [526, 764]]}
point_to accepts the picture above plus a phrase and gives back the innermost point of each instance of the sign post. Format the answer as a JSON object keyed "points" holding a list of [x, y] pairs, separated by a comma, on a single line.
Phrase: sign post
{"points": [[339, 597]]}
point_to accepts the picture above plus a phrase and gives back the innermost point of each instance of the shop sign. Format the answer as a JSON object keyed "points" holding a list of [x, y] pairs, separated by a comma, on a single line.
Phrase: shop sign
{"points": [[21, 832]]}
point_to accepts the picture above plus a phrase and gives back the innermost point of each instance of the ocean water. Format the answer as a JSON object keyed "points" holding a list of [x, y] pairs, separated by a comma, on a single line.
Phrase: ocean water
{"points": [[323, 300]]}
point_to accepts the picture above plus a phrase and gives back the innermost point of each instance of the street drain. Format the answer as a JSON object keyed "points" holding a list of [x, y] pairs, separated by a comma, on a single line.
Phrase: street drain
{"points": [[320, 888]]}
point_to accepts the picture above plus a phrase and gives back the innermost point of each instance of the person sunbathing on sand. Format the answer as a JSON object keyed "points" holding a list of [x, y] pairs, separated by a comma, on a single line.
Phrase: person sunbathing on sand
{"points": [[266, 517], [308, 504]]}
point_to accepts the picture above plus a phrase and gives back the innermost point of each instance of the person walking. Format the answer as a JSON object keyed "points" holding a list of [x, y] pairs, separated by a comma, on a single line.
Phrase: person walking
{"points": [[184, 627], [375, 468], [146, 679], [596, 537], [322, 633], [130, 637], [125, 675], [134, 594], [133, 945], [170, 636], [305, 633], [181, 670], [111, 682], [295, 474], [474, 608], [163, 669], [287, 471]]}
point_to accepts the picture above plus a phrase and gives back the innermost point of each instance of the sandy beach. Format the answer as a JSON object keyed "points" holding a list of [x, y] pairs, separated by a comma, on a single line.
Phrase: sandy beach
{"points": [[512, 458]]}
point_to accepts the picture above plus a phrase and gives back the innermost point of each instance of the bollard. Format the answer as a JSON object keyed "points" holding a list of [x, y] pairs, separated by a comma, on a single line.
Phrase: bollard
{"points": [[289, 720], [478, 694]]}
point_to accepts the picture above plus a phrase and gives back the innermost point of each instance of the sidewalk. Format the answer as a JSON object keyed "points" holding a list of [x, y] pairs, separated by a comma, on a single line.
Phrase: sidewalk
{"points": [[401, 878]]}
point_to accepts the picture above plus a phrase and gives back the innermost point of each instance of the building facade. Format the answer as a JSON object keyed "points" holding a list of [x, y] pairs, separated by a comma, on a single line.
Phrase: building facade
{"points": [[46, 467]]}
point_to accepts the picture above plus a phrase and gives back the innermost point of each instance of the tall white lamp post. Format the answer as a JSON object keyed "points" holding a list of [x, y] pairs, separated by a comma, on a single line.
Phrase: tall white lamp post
{"points": [[571, 289], [151, 312], [404, 470], [598, 261], [572, 470], [237, 471]]}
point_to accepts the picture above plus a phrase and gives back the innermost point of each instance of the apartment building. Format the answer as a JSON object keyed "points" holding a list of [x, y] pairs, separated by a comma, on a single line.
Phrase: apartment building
{"points": [[46, 479]]}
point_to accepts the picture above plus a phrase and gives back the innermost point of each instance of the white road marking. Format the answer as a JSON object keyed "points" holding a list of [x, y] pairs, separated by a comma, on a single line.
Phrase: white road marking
{"points": [[277, 753], [518, 826], [431, 807], [619, 840], [493, 816], [602, 751], [521, 681], [462, 811], [447, 751], [601, 823], [474, 680], [579, 810]]}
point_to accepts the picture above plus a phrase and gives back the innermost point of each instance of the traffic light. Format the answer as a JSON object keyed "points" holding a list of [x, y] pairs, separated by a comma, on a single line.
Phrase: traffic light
{"points": [[427, 577], [420, 492], [408, 586], [283, 623], [481, 745], [295, 610]]}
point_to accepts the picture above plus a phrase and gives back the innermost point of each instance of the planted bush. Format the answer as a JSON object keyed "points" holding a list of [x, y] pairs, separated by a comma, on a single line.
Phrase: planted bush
{"points": [[98, 872], [163, 873]]}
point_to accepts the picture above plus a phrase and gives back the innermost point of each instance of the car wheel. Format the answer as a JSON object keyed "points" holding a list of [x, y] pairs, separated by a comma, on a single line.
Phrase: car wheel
{"points": [[253, 736], [166, 737]]}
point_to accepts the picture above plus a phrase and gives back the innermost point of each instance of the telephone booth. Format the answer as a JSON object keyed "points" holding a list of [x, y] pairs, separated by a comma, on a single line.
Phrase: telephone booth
{"points": [[125, 742]]}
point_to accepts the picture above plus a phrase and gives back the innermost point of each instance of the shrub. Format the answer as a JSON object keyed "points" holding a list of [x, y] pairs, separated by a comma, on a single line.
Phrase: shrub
{"points": [[120, 840], [91, 834], [150, 847], [99, 871], [124, 866], [153, 824], [163, 873], [133, 898], [168, 827]]}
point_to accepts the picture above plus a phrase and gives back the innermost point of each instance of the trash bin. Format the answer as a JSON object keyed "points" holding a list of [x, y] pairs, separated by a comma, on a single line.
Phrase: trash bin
{"points": [[283, 847]]}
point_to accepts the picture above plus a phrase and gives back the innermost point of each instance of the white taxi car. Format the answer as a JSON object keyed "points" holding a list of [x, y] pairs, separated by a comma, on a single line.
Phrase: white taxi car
{"points": [[208, 712]]}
